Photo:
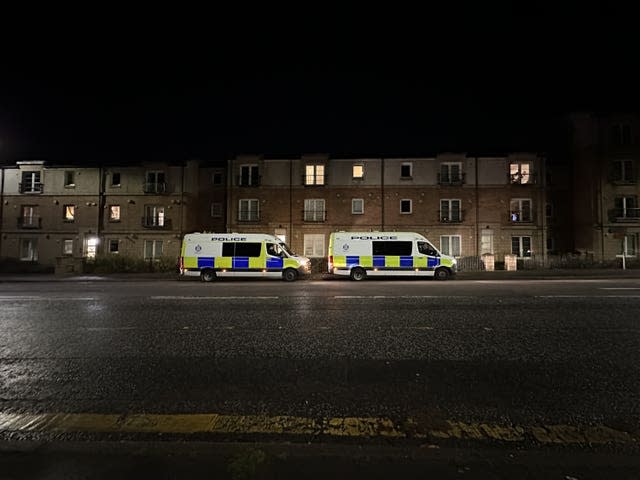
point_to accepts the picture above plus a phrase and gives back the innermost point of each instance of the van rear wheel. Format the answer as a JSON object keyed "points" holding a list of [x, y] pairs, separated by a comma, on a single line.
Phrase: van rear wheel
{"points": [[358, 274], [208, 275], [442, 274], [289, 275]]}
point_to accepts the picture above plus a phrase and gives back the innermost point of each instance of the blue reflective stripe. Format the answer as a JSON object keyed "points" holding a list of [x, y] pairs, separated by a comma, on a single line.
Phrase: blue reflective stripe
{"points": [[240, 262], [406, 261], [352, 260], [205, 262], [378, 260], [432, 262], [274, 262]]}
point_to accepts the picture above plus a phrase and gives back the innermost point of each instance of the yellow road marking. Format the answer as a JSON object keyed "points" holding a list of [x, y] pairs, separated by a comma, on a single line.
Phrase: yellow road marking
{"points": [[370, 427]]}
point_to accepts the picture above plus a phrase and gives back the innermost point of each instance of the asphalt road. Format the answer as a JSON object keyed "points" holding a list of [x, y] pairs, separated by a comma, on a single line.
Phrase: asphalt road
{"points": [[535, 365]]}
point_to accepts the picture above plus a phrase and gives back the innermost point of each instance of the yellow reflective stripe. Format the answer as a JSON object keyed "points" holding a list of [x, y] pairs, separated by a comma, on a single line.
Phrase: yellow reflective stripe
{"points": [[420, 262], [190, 262], [290, 262], [257, 262], [366, 261], [392, 261], [340, 261], [223, 262]]}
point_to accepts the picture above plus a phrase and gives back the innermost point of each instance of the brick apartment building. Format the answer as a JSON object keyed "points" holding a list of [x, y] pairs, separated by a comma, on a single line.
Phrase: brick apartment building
{"points": [[467, 205], [582, 199]]}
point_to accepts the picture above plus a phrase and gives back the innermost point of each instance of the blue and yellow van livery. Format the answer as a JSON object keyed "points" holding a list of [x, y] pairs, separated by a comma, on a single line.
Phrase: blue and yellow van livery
{"points": [[362, 254], [211, 255]]}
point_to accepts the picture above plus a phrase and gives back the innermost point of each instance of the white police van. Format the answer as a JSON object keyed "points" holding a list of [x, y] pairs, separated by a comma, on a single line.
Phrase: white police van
{"points": [[362, 254]]}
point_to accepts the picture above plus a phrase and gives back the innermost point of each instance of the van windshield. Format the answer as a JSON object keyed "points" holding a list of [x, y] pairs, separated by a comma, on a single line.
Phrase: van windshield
{"points": [[287, 250]]}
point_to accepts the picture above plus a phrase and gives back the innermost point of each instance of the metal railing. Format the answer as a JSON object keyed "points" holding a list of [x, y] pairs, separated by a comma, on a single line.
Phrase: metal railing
{"points": [[34, 221], [450, 216], [314, 215], [451, 178], [31, 187], [314, 180], [522, 178], [157, 187], [248, 180], [248, 216], [624, 215], [160, 223]]}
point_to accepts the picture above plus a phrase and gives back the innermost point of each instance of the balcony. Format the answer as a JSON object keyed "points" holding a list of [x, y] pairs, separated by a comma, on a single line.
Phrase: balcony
{"points": [[156, 223], [156, 188], [624, 215], [248, 181], [451, 179], [31, 187], [314, 215], [450, 216], [33, 222]]}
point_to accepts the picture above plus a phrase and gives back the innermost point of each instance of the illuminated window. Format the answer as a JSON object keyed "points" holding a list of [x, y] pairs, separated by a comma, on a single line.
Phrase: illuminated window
{"points": [[314, 175], [358, 171], [405, 206], [357, 206], [69, 213], [114, 213], [520, 173]]}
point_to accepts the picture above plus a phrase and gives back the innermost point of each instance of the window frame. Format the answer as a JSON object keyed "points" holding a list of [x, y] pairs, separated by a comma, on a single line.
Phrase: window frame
{"points": [[65, 213], [353, 210], [313, 237], [410, 206], [450, 209], [353, 171], [111, 217], [249, 210], [406, 164], [519, 211], [314, 175], [448, 250]]}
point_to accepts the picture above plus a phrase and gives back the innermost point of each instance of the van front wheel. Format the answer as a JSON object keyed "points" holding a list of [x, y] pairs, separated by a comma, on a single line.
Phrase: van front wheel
{"points": [[442, 274], [208, 275], [289, 275], [358, 274]]}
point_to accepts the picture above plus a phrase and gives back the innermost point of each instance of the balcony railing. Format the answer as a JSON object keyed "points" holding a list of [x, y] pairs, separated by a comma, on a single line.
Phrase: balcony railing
{"points": [[451, 178], [314, 180], [31, 187], [30, 222], [520, 217], [158, 223], [314, 215], [522, 179], [624, 215], [450, 216], [248, 181], [157, 187], [248, 216]]}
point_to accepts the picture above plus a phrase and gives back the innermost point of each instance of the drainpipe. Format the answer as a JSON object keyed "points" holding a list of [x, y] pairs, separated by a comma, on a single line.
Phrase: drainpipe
{"points": [[2, 174], [101, 205], [477, 192], [382, 194], [290, 242]]}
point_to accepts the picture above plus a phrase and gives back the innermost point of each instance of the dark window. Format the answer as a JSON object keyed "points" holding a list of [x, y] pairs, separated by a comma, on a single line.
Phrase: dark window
{"points": [[217, 178], [115, 178], [392, 248], [405, 170], [250, 249], [113, 246], [68, 179]]}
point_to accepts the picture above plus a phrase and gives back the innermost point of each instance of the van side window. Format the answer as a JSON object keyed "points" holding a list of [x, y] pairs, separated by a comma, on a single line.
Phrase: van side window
{"points": [[228, 249], [392, 248], [248, 249], [274, 250], [426, 249]]}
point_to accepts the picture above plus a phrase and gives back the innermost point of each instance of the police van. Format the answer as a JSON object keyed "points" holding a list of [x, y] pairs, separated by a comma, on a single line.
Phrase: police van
{"points": [[362, 254], [211, 255]]}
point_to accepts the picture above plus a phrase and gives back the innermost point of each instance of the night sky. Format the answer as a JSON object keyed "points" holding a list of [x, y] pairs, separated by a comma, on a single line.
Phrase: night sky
{"points": [[345, 83]]}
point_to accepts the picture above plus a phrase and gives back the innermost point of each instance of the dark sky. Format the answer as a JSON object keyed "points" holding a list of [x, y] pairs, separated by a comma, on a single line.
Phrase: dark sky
{"points": [[210, 84]]}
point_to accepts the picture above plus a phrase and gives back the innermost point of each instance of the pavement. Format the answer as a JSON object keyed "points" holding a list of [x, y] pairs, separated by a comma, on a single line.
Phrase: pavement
{"points": [[601, 273]]}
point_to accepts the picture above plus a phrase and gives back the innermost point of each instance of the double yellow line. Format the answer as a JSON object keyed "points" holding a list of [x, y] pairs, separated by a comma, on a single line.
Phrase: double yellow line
{"points": [[365, 427]]}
